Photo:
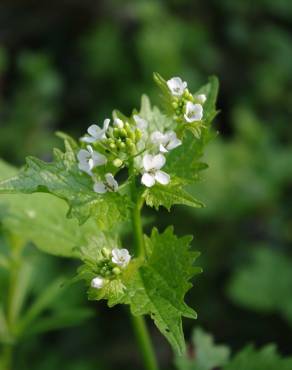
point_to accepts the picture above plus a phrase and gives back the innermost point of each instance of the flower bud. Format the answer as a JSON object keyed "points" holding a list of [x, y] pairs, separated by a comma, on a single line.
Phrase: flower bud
{"points": [[118, 162], [97, 282], [123, 132], [138, 134], [106, 252], [112, 146], [116, 132], [174, 105], [116, 271], [201, 98]]}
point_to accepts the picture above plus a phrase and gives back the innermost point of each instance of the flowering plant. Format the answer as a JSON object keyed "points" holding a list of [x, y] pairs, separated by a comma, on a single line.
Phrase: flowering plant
{"points": [[106, 178]]}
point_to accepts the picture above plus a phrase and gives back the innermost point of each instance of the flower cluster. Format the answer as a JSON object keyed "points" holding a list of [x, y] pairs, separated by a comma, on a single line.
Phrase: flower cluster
{"points": [[110, 266], [131, 142], [187, 108]]}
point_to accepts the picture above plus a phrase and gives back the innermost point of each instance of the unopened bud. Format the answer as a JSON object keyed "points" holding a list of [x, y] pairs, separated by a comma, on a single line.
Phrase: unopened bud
{"points": [[118, 162], [174, 105], [116, 271], [106, 252], [97, 282]]}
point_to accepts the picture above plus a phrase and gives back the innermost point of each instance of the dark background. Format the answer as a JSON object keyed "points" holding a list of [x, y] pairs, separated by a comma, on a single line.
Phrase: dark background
{"points": [[67, 64]]}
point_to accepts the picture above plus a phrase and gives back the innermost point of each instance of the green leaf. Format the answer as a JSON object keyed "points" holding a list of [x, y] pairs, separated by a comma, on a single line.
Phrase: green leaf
{"points": [[206, 356], [63, 179], [40, 218], [265, 284], [166, 196], [265, 359], [154, 289], [157, 121]]}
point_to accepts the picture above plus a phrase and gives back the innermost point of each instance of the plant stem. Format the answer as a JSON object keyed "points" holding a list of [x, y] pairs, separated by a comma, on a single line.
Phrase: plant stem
{"points": [[139, 325], [7, 357], [144, 342]]}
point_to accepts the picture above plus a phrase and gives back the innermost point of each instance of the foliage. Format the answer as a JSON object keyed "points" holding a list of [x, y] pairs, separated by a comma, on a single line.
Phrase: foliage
{"points": [[208, 356], [81, 177], [265, 283]]}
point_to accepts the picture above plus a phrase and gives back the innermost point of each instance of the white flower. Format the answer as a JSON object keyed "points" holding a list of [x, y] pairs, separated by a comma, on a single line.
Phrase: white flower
{"points": [[176, 86], [110, 184], [118, 122], [201, 98], [166, 142], [96, 133], [88, 159], [152, 173], [194, 112], [141, 123], [97, 282], [121, 257]]}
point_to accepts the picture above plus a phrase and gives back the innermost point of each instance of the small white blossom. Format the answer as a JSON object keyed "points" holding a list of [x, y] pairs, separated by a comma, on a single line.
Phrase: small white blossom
{"points": [[177, 86], [97, 282], [89, 159], [96, 133], [141, 123], [152, 173], [194, 112], [110, 184], [166, 142], [121, 257], [201, 98], [118, 122]]}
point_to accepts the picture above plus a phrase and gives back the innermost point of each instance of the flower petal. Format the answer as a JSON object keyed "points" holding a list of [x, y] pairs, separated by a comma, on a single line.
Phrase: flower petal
{"points": [[94, 130], [162, 177], [148, 180], [148, 162], [99, 187], [176, 86], [158, 137], [106, 123], [194, 112], [83, 155], [98, 159], [158, 161], [141, 123], [112, 183]]}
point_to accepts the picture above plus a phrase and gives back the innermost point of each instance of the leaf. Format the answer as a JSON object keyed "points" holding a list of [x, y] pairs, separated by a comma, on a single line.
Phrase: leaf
{"points": [[63, 179], [265, 359], [40, 218], [206, 356], [157, 121], [159, 285], [265, 284], [166, 196]]}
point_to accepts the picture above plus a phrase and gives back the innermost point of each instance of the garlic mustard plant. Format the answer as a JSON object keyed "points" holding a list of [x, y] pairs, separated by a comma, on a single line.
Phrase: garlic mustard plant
{"points": [[106, 177]]}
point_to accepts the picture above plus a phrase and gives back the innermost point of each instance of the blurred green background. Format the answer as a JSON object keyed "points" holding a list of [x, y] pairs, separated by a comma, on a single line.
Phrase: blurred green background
{"points": [[65, 65]]}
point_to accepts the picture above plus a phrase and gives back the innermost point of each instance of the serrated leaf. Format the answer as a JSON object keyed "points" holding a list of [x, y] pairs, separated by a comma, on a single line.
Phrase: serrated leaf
{"points": [[207, 355], [159, 285], [265, 359], [167, 196], [63, 179], [157, 121], [264, 284], [40, 218]]}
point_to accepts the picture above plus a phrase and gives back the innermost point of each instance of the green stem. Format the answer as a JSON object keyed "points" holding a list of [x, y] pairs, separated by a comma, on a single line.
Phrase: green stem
{"points": [[139, 325], [7, 357], [144, 342]]}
